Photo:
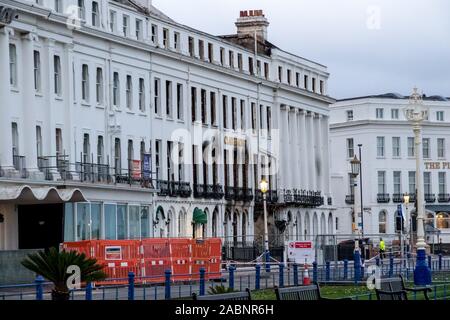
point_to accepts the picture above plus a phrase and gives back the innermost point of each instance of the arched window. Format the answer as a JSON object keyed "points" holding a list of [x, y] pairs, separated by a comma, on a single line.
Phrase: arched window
{"points": [[182, 224], [330, 224], [214, 222], [299, 226], [315, 225], [307, 226], [323, 224], [382, 222], [244, 227]]}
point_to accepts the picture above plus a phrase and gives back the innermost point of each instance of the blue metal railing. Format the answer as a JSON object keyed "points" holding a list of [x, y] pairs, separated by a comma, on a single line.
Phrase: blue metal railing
{"points": [[152, 288]]}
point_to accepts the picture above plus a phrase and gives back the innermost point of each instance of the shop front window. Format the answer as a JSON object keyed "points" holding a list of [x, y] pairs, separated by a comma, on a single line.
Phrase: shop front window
{"points": [[110, 222], [83, 221], [122, 230], [69, 221], [134, 223]]}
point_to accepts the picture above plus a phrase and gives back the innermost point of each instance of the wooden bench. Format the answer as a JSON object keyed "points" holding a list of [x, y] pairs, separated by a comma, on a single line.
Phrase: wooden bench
{"points": [[233, 296], [302, 293], [395, 289]]}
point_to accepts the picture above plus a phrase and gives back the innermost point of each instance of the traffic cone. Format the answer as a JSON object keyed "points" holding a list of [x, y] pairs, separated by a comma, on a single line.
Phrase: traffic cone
{"points": [[306, 279]]}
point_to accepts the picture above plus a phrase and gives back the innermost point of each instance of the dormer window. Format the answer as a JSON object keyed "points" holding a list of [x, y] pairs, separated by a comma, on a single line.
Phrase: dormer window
{"points": [[166, 42], [125, 25], [95, 14], [349, 115]]}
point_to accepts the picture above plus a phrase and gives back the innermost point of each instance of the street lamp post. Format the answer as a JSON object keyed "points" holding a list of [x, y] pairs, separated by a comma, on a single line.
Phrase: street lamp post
{"points": [[406, 199], [355, 166], [264, 187], [360, 190], [416, 113]]}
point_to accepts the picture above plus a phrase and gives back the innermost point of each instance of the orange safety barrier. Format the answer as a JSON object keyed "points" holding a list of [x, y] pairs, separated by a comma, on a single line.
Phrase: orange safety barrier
{"points": [[85, 247], [117, 250], [150, 258], [215, 261], [180, 253], [155, 259], [118, 271]]}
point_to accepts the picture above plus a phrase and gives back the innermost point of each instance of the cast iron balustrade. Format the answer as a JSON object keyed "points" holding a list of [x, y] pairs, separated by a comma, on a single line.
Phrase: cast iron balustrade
{"points": [[185, 190], [199, 191], [412, 198], [288, 197], [444, 197], [214, 191], [383, 198], [397, 198], [248, 195], [163, 188], [239, 194], [350, 199], [230, 193], [19, 165], [430, 198]]}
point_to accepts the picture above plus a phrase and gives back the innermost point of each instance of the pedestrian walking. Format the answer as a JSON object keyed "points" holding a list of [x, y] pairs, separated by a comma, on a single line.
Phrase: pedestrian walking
{"points": [[382, 248]]}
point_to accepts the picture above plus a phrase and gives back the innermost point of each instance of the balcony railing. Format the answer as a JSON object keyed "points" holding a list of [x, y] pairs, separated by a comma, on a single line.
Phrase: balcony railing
{"points": [[430, 198], [271, 196], [213, 192], [397, 198], [303, 198], [350, 199], [230, 193], [199, 191], [248, 195], [444, 197], [163, 188], [383, 198]]}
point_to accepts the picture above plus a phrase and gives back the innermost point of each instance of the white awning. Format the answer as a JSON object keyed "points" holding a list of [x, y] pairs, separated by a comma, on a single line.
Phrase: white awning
{"points": [[39, 195]]}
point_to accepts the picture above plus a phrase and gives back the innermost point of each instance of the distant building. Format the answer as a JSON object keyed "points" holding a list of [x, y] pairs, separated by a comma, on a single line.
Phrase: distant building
{"points": [[388, 162]]}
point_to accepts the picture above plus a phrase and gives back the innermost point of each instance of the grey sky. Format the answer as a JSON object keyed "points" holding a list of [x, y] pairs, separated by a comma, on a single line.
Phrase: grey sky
{"points": [[410, 47]]}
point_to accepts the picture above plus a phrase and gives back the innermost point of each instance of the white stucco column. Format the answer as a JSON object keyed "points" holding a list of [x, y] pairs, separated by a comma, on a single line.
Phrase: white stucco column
{"points": [[29, 108], [6, 156], [326, 156], [311, 158], [285, 152], [295, 181], [303, 152], [318, 153]]}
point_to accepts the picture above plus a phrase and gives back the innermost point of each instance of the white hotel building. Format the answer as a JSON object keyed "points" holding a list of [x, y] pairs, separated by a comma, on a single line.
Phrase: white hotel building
{"points": [[388, 162], [83, 106]]}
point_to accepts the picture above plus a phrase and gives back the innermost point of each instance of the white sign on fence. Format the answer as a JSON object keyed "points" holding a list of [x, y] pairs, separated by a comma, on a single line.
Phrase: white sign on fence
{"points": [[301, 252]]}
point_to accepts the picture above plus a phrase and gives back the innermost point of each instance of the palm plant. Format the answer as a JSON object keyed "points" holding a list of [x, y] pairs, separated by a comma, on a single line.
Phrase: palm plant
{"points": [[53, 266], [220, 290]]}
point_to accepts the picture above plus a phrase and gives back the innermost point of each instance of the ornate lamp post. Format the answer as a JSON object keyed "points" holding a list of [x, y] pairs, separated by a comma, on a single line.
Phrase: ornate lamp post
{"points": [[416, 113], [406, 199], [355, 166], [264, 187]]}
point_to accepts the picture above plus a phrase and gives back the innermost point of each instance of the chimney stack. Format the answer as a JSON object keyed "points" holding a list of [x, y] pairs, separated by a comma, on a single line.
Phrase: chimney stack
{"points": [[145, 3], [251, 21]]}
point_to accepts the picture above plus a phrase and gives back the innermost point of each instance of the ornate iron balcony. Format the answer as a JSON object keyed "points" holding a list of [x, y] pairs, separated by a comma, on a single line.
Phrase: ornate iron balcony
{"points": [[430, 198], [163, 188], [248, 195], [199, 191], [444, 197], [229, 193], [397, 198], [383, 198]]}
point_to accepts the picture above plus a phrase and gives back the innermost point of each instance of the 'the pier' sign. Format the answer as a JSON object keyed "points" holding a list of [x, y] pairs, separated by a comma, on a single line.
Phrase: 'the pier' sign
{"points": [[437, 165]]}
